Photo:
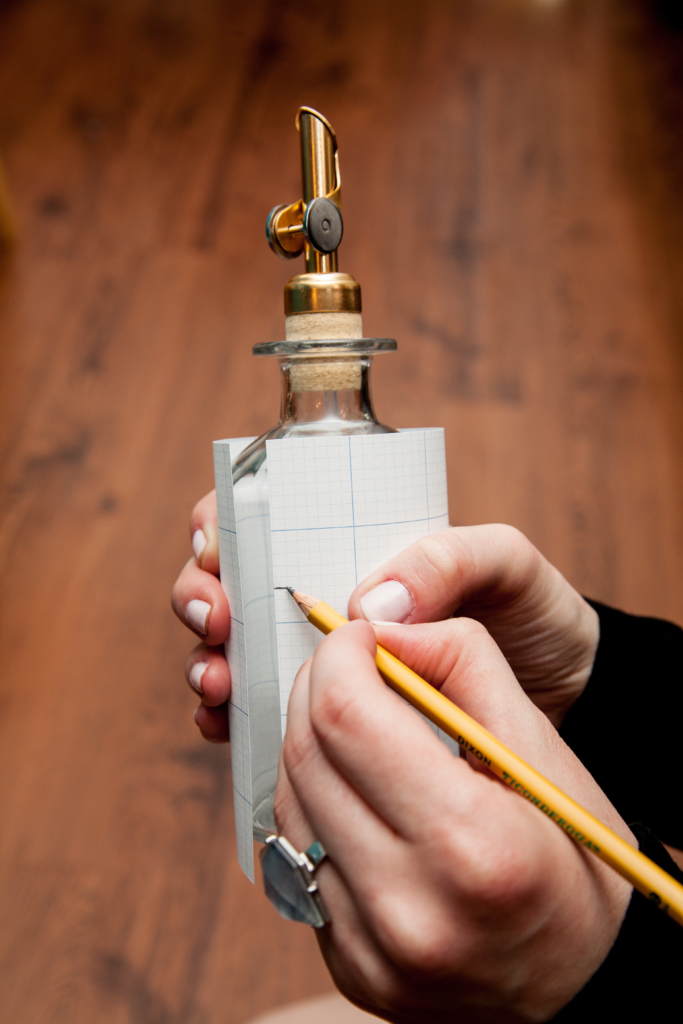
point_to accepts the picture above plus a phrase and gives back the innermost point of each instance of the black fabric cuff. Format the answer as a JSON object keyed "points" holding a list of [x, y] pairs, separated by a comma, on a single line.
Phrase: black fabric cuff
{"points": [[625, 725], [639, 976]]}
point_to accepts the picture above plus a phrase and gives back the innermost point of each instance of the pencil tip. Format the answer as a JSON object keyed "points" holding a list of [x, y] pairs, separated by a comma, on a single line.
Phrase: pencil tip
{"points": [[290, 589]]}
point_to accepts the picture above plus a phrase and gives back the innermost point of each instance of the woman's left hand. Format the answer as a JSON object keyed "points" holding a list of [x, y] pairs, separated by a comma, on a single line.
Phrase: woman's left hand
{"points": [[450, 896]]}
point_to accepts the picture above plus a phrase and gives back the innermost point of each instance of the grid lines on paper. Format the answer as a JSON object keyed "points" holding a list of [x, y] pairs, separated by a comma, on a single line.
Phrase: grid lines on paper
{"points": [[339, 508]]}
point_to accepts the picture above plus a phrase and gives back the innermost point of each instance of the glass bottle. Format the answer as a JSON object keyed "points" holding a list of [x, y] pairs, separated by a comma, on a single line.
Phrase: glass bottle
{"points": [[325, 364], [325, 391]]}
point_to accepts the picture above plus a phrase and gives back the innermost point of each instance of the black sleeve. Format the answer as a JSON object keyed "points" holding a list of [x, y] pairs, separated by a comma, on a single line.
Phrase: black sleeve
{"points": [[639, 980], [624, 728]]}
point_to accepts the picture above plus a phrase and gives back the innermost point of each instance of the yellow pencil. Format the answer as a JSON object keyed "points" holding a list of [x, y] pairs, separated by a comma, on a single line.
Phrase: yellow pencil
{"points": [[583, 827]]}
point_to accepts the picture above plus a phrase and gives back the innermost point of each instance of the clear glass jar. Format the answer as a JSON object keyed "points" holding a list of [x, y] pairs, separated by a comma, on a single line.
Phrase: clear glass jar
{"points": [[325, 390]]}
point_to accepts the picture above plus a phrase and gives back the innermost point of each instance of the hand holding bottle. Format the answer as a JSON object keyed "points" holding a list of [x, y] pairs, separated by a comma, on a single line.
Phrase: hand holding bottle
{"points": [[200, 602]]}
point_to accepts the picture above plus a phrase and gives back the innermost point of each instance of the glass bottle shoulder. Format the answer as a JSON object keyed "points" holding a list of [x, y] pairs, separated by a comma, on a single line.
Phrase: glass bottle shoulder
{"points": [[253, 460], [325, 392]]}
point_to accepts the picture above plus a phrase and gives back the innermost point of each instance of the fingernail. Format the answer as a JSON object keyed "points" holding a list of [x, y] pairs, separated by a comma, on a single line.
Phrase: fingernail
{"points": [[198, 543], [197, 674], [388, 602], [196, 613]]}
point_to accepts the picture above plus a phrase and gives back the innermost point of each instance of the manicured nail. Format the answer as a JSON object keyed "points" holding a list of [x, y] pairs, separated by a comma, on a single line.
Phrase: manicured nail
{"points": [[196, 613], [388, 602], [197, 674], [198, 543]]}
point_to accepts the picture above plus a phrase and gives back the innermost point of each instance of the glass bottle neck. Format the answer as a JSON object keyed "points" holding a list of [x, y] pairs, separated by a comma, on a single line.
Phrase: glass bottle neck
{"points": [[323, 394]]}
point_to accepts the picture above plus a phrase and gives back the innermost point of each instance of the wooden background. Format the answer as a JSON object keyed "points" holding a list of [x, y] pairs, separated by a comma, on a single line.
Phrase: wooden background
{"points": [[513, 211]]}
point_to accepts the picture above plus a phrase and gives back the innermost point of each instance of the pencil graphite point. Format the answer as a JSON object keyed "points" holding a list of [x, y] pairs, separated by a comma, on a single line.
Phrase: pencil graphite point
{"points": [[303, 600]]}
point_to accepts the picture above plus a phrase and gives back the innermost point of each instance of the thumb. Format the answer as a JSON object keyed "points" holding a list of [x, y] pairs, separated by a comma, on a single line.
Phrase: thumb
{"points": [[489, 566]]}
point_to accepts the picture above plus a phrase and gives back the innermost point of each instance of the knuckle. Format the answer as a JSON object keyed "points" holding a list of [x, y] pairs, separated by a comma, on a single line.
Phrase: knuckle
{"points": [[440, 549], [416, 936], [519, 548], [512, 536], [204, 507], [298, 749], [492, 876], [182, 584], [468, 639], [469, 631], [177, 598], [501, 881], [333, 712]]}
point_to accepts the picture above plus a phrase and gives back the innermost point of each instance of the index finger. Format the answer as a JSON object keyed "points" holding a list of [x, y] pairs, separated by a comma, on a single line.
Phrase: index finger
{"points": [[375, 741], [442, 572]]}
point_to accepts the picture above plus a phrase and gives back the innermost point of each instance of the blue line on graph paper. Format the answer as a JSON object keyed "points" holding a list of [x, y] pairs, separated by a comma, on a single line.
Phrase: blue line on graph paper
{"points": [[359, 526], [353, 517], [424, 445]]}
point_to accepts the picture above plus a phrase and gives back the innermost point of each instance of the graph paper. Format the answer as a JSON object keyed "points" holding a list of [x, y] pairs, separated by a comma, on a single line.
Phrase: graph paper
{"points": [[333, 510]]}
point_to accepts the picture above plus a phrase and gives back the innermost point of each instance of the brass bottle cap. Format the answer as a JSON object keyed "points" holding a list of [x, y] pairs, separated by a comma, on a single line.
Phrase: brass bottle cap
{"points": [[322, 293]]}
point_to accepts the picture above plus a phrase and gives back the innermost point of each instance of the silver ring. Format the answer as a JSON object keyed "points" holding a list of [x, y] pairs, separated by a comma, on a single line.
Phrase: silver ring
{"points": [[288, 878]]}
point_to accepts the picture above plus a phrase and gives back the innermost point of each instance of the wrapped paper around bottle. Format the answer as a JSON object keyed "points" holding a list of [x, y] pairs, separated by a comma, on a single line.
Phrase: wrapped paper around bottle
{"points": [[329, 511]]}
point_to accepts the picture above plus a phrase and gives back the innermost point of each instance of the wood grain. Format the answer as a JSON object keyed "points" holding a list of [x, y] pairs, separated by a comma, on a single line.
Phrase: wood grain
{"points": [[511, 209]]}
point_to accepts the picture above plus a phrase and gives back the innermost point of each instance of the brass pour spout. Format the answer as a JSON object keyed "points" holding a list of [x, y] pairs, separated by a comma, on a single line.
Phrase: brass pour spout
{"points": [[313, 225]]}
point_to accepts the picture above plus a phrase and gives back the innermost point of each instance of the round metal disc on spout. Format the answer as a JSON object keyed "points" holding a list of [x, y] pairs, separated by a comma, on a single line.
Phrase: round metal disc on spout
{"points": [[323, 225], [284, 237]]}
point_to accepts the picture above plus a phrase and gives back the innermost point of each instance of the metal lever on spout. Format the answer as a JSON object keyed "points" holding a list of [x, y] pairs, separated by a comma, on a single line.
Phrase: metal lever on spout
{"points": [[313, 225]]}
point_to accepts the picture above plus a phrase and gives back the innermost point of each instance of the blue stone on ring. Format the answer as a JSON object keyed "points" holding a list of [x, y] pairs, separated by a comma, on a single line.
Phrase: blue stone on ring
{"points": [[289, 882]]}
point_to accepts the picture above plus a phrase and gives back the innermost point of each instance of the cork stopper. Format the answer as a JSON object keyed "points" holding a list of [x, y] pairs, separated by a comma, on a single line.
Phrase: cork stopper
{"points": [[328, 373], [342, 375], [323, 326]]}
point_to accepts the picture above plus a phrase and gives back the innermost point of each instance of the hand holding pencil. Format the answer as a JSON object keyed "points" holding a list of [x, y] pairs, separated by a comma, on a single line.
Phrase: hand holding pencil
{"points": [[487, 750], [452, 887]]}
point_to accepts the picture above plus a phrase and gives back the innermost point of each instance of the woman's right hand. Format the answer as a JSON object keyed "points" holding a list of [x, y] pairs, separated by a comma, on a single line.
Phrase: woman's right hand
{"points": [[450, 897]]}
